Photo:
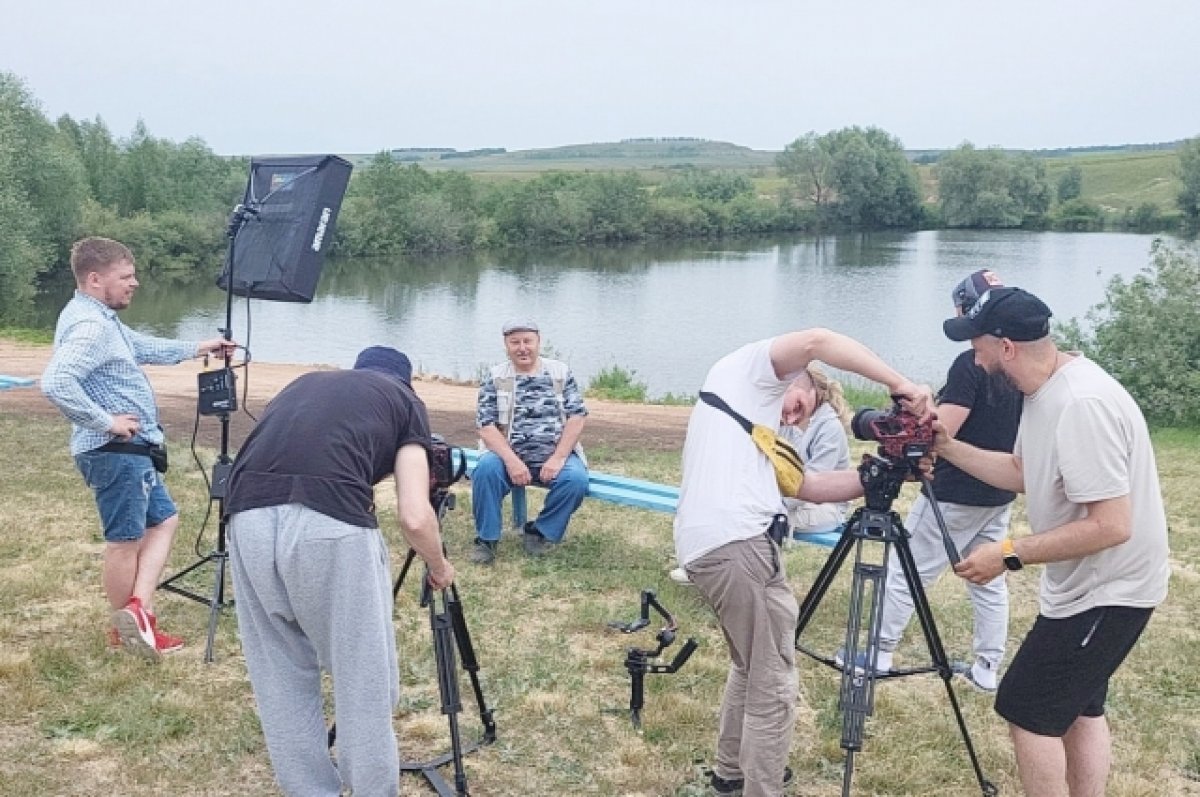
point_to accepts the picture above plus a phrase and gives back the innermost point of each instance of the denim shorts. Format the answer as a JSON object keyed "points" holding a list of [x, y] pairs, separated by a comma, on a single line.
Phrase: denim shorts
{"points": [[130, 493]]}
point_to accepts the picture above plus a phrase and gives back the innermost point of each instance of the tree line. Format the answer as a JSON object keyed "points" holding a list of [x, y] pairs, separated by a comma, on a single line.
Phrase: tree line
{"points": [[169, 201]]}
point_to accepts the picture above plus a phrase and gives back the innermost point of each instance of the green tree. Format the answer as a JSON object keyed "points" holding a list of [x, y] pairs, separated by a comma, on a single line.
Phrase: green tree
{"points": [[859, 177], [807, 165], [1146, 333], [1070, 184], [990, 188], [42, 190], [1189, 172]]}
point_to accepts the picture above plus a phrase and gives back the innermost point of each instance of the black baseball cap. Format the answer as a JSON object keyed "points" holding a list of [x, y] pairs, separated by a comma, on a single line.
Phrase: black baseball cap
{"points": [[1010, 313]]}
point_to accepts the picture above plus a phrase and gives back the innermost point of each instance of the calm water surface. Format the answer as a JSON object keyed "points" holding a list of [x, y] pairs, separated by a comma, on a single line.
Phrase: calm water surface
{"points": [[667, 312]]}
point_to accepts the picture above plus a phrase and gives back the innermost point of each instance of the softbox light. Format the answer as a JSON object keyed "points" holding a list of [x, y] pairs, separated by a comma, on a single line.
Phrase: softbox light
{"points": [[289, 211]]}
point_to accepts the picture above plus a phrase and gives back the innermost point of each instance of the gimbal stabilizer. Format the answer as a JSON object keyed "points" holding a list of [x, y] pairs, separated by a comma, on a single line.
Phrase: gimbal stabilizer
{"points": [[637, 660]]}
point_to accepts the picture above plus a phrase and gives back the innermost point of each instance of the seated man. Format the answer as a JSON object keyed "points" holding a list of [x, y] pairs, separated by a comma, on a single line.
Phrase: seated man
{"points": [[530, 415]]}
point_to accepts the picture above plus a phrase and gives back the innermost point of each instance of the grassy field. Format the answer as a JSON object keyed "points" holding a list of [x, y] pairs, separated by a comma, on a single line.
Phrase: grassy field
{"points": [[1114, 180], [1117, 181], [76, 720]]}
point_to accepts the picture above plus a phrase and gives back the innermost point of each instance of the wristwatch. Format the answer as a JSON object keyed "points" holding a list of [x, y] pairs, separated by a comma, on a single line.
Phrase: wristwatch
{"points": [[1011, 560]]}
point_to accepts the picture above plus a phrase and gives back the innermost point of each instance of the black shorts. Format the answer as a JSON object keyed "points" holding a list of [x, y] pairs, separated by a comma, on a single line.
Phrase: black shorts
{"points": [[1061, 671]]}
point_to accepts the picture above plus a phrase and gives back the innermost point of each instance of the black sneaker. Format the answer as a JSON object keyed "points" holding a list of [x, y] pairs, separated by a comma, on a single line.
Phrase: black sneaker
{"points": [[734, 786], [484, 553], [535, 544]]}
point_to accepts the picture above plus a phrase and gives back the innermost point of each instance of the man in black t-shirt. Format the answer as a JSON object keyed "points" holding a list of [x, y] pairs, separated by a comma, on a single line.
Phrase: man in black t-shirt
{"points": [[311, 572], [983, 410]]}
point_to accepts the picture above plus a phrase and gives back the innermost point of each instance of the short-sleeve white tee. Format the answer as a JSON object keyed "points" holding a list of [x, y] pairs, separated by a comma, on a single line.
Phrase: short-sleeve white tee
{"points": [[1082, 439], [728, 491]]}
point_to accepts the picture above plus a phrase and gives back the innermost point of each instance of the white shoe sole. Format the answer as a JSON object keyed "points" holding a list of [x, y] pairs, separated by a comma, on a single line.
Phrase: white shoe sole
{"points": [[132, 638]]}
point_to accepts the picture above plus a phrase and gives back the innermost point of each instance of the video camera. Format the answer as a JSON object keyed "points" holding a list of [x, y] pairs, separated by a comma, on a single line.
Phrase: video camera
{"points": [[447, 464], [902, 436]]}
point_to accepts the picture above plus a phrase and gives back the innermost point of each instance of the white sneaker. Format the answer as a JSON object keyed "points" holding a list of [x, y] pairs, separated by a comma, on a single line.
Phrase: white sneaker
{"points": [[680, 576], [981, 674]]}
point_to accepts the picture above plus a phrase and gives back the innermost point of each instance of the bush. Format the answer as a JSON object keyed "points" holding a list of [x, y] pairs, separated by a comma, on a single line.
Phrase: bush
{"points": [[1147, 335], [1078, 215], [617, 384]]}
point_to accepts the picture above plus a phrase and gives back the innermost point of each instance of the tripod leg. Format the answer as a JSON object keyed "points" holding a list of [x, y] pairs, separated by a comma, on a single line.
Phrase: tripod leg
{"points": [[214, 610], [828, 572], [466, 652], [408, 560], [443, 646], [857, 695], [934, 641]]}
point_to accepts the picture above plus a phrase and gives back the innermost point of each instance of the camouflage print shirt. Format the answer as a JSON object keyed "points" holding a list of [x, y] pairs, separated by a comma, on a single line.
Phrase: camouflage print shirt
{"points": [[537, 417]]}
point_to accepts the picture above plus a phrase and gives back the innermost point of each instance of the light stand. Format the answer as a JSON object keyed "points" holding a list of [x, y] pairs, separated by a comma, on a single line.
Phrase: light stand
{"points": [[882, 478], [218, 396]]}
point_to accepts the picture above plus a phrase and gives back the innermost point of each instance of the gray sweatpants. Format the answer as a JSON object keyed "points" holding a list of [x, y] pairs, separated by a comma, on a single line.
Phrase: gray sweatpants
{"points": [[314, 593], [746, 584], [969, 527]]}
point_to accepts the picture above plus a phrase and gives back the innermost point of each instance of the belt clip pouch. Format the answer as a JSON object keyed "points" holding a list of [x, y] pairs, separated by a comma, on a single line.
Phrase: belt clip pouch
{"points": [[158, 456], [778, 530]]}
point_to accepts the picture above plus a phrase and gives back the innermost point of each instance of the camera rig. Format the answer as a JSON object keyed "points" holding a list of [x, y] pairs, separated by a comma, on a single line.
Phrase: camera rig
{"points": [[638, 661]]}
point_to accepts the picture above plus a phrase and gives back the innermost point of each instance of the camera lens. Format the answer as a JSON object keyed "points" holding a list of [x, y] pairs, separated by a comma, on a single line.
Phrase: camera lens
{"points": [[862, 423]]}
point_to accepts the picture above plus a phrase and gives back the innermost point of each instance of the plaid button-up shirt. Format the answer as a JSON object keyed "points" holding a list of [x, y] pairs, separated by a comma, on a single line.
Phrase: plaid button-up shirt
{"points": [[94, 373]]}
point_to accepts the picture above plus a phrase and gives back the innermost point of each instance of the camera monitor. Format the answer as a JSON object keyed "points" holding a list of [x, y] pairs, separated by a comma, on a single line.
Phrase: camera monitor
{"points": [[291, 206]]}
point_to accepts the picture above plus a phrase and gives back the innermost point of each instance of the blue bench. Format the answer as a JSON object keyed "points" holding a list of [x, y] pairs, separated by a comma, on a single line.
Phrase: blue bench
{"points": [[627, 492], [7, 382]]}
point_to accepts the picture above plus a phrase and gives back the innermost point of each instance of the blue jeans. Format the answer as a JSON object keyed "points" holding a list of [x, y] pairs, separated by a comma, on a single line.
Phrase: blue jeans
{"points": [[130, 493], [490, 483]]}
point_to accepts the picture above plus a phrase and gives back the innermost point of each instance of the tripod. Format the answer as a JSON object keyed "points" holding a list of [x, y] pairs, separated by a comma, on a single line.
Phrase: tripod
{"points": [[449, 628], [881, 478], [218, 396]]}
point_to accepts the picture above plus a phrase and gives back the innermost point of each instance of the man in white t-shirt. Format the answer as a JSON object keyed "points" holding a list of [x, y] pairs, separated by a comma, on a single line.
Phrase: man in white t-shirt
{"points": [[1084, 460], [728, 499]]}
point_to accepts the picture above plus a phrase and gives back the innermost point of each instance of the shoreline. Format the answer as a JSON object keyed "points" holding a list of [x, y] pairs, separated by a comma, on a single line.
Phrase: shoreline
{"points": [[451, 404]]}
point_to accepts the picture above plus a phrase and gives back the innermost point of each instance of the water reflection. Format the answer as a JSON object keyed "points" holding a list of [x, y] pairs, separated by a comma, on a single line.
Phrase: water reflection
{"points": [[666, 310]]}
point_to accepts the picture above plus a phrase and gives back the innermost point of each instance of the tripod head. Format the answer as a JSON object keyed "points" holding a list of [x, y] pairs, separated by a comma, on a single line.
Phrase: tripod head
{"points": [[882, 476]]}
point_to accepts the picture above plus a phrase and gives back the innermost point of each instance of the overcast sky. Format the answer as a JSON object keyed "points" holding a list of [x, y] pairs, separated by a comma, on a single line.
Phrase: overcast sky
{"points": [[357, 77]]}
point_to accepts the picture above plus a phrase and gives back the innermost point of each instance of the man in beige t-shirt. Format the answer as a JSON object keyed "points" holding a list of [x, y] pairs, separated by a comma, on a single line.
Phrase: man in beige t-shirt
{"points": [[1083, 457]]}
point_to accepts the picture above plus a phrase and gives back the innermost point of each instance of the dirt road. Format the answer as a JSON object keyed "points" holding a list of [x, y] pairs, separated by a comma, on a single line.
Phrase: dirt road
{"points": [[451, 406]]}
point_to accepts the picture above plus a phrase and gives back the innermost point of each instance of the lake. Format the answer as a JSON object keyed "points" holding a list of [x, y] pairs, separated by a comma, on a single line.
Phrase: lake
{"points": [[665, 311]]}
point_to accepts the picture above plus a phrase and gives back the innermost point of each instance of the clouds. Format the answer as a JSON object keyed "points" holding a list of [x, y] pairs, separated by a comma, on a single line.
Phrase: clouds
{"points": [[359, 77]]}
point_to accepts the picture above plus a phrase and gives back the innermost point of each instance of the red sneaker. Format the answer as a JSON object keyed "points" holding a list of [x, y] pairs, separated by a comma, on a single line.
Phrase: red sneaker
{"points": [[166, 643], [134, 629]]}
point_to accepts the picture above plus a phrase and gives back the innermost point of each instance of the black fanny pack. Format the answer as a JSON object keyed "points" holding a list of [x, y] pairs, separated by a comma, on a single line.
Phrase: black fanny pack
{"points": [[157, 454]]}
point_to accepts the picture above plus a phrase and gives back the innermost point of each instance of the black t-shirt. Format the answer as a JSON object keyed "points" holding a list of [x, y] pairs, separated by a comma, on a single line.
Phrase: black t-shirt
{"points": [[325, 441], [995, 407]]}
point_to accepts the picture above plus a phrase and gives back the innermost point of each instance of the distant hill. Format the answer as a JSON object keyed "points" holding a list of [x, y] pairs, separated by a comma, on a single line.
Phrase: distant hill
{"points": [[668, 153], [630, 154]]}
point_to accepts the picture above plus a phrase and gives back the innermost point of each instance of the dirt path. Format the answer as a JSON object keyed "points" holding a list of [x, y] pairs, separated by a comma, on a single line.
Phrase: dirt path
{"points": [[451, 406]]}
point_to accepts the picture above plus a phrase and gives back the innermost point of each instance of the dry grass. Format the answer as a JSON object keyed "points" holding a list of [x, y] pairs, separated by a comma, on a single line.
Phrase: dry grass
{"points": [[78, 721]]}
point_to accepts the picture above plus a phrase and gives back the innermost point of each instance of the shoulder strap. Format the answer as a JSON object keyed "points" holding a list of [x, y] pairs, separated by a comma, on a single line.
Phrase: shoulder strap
{"points": [[713, 400]]}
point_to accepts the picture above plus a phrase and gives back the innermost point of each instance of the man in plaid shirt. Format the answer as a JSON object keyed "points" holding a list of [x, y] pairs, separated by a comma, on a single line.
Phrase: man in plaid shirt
{"points": [[95, 379]]}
